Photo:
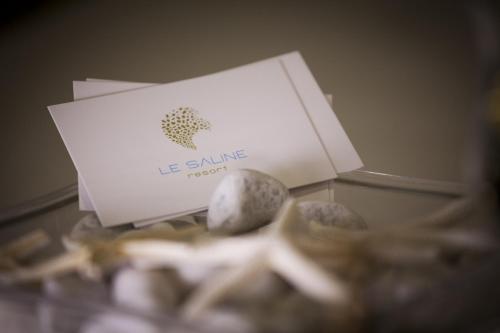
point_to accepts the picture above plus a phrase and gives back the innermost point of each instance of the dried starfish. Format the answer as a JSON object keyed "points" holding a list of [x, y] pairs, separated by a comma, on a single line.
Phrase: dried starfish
{"points": [[280, 248], [305, 254], [22, 248], [241, 257], [246, 257], [91, 258]]}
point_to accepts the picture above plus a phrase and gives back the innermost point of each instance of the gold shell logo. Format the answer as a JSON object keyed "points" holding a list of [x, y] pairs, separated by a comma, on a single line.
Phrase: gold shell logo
{"points": [[182, 124]]}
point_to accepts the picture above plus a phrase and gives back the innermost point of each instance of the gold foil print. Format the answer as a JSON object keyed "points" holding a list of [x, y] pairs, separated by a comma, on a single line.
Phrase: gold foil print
{"points": [[182, 124]]}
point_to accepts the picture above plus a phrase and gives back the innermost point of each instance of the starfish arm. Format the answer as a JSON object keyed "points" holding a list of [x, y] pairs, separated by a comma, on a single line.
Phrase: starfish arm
{"points": [[306, 276], [222, 284], [287, 218], [223, 252], [71, 261]]}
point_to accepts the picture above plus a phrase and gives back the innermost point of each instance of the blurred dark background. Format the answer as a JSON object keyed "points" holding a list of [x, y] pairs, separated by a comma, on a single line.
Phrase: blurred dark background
{"points": [[404, 74]]}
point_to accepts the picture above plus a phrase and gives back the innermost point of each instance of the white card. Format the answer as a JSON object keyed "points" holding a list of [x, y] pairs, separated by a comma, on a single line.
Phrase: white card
{"points": [[86, 89], [134, 170], [99, 87], [332, 135]]}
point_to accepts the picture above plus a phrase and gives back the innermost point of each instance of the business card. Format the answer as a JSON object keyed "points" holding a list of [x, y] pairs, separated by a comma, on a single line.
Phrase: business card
{"points": [[159, 151], [99, 87], [94, 87], [333, 137]]}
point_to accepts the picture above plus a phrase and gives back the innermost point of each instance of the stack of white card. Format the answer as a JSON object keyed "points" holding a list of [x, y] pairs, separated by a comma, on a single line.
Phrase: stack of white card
{"points": [[150, 152]]}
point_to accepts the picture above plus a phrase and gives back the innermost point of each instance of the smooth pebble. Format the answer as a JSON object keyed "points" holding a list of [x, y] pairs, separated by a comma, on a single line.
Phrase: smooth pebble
{"points": [[144, 290], [265, 287], [52, 316], [192, 275], [116, 322], [293, 313], [226, 320], [89, 228], [244, 200]]}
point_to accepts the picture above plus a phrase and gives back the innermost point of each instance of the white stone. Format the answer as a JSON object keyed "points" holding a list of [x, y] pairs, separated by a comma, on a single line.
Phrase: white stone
{"points": [[194, 274], [89, 228], [265, 287], [331, 214], [73, 286], [244, 200], [16, 314], [293, 313], [52, 317], [116, 322], [144, 290], [226, 320]]}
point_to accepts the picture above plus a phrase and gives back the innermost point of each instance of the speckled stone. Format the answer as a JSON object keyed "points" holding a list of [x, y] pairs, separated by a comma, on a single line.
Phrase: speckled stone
{"points": [[244, 200], [331, 214]]}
